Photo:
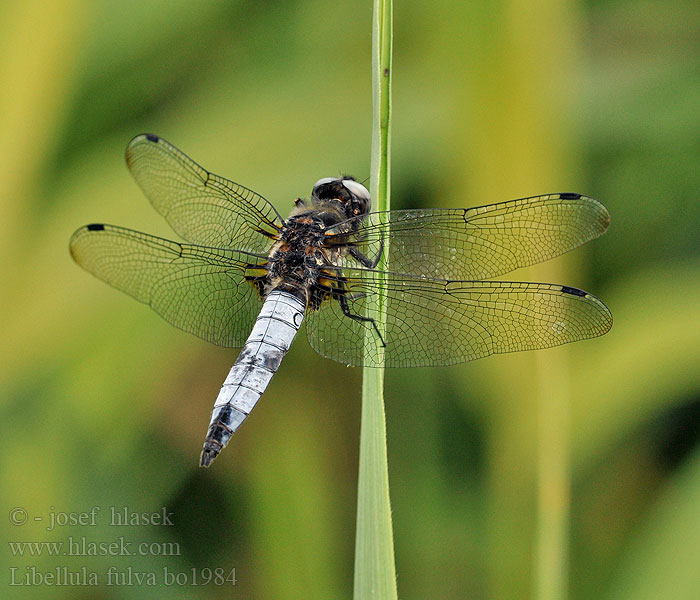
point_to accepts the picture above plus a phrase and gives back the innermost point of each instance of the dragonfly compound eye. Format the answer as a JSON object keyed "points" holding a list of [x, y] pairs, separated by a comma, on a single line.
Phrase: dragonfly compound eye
{"points": [[322, 181], [356, 188], [362, 202]]}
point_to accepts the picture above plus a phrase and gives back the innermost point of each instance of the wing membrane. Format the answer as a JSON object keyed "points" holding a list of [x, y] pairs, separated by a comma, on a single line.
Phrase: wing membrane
{"points": [[436, 323], [201, 207], [198, 289], [482, 242]]}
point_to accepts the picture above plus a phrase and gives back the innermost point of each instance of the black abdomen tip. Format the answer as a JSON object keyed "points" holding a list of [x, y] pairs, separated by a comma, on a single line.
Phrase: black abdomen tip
{"points": [[208, 456], [213, 445]]}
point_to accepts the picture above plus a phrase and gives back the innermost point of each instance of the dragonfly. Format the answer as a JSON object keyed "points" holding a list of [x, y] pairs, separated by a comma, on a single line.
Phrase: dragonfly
{"points": [[247, 277]]}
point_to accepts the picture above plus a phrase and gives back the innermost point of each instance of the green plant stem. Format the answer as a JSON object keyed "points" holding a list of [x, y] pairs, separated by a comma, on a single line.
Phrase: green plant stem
{"points": [[375, 571], [552, 533]]}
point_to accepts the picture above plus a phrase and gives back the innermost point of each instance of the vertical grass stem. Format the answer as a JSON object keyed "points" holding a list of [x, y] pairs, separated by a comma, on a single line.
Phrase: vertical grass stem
{"points": [[375, 571]]}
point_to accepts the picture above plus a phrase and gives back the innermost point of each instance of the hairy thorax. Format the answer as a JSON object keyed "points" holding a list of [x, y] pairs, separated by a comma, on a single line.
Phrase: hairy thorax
{"points": [[298, 259]]}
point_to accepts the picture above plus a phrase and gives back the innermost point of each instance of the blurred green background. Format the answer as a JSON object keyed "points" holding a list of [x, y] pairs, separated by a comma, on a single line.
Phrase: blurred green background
{"points": [[503, 471]]}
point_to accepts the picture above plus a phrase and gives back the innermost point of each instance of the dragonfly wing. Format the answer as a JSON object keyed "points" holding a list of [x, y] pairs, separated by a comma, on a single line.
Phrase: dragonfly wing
{"points": [[436, 323], [201, 207], [201, 290], [482, 242]]}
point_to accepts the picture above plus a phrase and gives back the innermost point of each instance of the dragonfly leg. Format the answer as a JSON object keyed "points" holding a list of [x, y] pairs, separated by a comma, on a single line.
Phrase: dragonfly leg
{"points": [[348, 313], [365, 260]]}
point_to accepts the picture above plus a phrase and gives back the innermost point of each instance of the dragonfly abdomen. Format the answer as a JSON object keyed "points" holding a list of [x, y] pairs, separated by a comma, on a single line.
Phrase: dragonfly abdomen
{"points": [[277, 324]]}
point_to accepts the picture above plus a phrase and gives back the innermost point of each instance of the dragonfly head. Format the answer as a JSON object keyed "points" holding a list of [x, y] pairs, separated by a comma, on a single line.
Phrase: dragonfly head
{"points": [[349, 195]]}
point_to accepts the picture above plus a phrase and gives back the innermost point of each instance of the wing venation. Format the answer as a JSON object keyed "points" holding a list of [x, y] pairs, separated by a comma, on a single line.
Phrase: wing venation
{"points": [[437, 323], [481, 242], [195, 288], [201, 207]]}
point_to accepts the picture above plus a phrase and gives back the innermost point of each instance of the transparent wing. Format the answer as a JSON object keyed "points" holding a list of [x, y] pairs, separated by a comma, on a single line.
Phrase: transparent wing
{"points": [[201, 207], [436, 323], [482, 242], [201, 290]]}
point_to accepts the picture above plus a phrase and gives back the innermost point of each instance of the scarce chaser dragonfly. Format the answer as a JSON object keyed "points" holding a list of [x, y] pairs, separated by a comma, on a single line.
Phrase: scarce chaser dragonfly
{"points": [[249, 276]]}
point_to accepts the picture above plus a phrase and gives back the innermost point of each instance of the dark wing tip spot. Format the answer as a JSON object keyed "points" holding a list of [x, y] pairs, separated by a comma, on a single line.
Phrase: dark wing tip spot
{"points": [[573, 291], [95, 227], [152, 138], [569, 196]]}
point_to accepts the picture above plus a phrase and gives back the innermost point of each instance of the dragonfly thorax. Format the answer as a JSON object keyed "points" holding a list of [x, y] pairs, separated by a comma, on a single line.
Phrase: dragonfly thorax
{"points": [[295, 260]]}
